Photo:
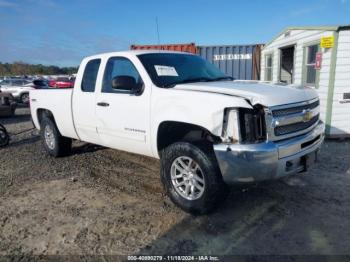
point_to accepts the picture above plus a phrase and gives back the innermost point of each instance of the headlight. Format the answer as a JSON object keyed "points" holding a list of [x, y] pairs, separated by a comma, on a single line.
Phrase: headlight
{"points": [[231, 132], [243, 125]]}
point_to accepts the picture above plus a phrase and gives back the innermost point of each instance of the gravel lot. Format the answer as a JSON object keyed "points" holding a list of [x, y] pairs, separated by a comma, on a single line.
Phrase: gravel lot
{"points": [[103, 201]]}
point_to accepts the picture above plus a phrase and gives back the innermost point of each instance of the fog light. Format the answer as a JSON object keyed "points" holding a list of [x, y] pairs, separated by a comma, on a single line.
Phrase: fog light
{"points": [[289, 165]]}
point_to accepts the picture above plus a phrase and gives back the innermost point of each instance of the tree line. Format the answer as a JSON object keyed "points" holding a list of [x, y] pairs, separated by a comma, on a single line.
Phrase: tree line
{"points": [[21, 68]]}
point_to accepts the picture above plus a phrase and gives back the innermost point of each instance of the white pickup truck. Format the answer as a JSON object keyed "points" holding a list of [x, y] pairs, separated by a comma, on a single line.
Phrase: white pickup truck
{"points": [[207, 130]]}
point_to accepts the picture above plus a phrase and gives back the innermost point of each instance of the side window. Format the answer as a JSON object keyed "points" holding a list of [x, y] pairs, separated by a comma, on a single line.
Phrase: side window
{"points": [[310, 62], [119, 66], [268, 67], [90, 74], [17, 82]]}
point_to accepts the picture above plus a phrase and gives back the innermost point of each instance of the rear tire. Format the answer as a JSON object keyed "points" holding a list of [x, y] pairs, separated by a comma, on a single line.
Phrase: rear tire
{"points": [[202, 172], [54, 143], [25, 98]]}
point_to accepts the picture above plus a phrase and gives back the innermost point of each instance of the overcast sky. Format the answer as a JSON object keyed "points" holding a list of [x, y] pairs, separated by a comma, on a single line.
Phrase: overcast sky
{"points": [[63, 32]]}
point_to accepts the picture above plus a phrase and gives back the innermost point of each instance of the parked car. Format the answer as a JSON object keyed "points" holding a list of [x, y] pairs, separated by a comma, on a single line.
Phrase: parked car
{"points": [[207, 130], [19, 88], [7, 105], [61, 82], [72, 80], [40, 84]]}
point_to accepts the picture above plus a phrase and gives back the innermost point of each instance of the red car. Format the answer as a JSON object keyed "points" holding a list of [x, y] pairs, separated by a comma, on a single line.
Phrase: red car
{"points": [[61, 82]]}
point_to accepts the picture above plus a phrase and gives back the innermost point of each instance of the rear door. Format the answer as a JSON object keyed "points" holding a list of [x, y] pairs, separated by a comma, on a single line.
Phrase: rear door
{"points": [[83, 104], [123, 117]]}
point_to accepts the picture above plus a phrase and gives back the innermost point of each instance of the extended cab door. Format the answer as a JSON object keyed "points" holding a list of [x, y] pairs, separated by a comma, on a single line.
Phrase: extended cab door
{"points": [[84, 101], [123, 117]]}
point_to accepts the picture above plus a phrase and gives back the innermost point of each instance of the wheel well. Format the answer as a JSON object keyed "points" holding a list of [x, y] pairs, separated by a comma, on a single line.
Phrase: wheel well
{"points": [[170, 132], [42, 113], [22, 94]]}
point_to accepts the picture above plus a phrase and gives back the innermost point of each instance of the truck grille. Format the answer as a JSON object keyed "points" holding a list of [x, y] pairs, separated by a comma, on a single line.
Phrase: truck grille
{"points": [[294, 110], [292, 120], [288, 129]]}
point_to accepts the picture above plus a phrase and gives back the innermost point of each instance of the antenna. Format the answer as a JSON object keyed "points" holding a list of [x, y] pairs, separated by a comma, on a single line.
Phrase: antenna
{"points": [[157, 30]]}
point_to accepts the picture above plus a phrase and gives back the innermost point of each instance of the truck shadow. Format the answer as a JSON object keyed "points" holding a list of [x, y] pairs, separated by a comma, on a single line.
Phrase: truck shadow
{"points": [[16, 119], [25, 141], [84, 148], [279, 217]]}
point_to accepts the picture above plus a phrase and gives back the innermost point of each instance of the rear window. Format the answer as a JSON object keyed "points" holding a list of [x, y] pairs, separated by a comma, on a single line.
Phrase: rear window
{"points": [[90, 75], [5, 82], [40, 83], [18, 82]]}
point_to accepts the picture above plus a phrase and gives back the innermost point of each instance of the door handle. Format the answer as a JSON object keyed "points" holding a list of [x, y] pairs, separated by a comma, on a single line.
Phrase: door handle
{"points": [[102, 104]]}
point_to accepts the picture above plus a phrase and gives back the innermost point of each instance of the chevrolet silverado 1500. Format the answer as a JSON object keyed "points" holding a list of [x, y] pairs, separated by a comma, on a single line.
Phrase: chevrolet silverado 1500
{"points": [[207, 130]]}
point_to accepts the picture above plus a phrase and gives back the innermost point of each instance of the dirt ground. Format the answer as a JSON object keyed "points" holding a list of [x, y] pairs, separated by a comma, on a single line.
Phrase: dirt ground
{"points": [[103, 201]]}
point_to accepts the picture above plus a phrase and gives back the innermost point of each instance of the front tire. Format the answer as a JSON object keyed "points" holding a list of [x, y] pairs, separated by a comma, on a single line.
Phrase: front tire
{"points": [[54, 143], [192, 178]]}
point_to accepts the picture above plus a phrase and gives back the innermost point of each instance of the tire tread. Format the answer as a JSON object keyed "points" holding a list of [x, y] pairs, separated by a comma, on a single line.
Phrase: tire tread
{"points": [[63, 144], [216, 189]]}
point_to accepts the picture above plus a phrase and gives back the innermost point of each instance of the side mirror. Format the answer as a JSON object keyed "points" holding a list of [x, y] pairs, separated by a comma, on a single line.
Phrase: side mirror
{"points": [[126, 83]]}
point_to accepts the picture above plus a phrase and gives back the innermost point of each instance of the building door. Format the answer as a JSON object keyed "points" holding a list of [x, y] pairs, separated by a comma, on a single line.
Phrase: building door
{"points": [[287, 65]]}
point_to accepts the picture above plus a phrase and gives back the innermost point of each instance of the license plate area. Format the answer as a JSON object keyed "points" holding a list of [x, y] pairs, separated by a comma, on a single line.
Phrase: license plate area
{"points": [[308, 160]]}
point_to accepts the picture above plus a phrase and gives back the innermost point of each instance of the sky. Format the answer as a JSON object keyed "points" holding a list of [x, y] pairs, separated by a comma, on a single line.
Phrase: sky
{"points": [[62, 32]]}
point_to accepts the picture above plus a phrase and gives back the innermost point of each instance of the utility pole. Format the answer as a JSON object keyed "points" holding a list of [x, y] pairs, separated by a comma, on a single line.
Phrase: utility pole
{"points": [[157, 30]]}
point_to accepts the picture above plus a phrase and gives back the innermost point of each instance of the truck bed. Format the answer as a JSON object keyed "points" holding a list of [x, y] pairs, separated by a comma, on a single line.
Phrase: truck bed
{"points": [[59, 103]]}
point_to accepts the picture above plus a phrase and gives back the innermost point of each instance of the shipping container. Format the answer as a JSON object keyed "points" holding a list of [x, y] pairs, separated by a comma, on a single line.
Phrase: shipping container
{"points": [[239, 61], [189, 48]]}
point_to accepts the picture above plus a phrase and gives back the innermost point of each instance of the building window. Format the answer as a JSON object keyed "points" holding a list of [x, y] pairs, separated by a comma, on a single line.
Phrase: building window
{"points": [[310, 62], [268, 67]]}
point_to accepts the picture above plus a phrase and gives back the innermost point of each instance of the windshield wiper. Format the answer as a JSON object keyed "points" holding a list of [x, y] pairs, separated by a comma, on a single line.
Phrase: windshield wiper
{"points": [[195, 79], [222, 78], [189, 80], [198, 79]]}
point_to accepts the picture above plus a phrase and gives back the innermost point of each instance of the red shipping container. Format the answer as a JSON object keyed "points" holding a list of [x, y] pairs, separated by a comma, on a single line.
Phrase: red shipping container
{"points": [[189, 48]]}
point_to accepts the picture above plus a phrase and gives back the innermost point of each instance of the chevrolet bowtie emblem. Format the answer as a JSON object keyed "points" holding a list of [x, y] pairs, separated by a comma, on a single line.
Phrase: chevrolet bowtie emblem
{"points": [[307, 115]]}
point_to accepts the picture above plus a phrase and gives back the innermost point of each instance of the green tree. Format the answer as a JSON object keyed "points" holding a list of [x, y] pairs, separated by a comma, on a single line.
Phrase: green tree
{"points": [[21, 68]]}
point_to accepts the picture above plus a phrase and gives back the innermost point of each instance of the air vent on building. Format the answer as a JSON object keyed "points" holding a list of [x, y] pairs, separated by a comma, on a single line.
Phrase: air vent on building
{"points": [[286, 34]]}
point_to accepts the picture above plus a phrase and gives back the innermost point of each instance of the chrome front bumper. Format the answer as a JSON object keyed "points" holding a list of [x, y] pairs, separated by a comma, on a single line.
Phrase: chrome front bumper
{"points": [[240, 163]]}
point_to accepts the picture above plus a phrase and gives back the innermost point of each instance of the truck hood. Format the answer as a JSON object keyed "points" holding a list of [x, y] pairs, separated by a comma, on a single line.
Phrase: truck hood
{"points": [[257, 93]]}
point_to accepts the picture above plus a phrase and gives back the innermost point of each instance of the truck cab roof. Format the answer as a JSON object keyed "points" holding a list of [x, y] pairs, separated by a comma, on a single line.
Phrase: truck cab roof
{"points": [[135, 52]]}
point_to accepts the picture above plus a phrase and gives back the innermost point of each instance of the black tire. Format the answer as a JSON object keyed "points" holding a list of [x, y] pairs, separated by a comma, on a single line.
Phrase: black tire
{"points": [[4, 136], [24, 98], [61, 145], [215, 189], [13, 111]]}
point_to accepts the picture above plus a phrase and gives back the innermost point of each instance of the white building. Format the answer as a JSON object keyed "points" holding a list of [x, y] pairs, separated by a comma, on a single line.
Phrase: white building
{"points": [[318, 57]]}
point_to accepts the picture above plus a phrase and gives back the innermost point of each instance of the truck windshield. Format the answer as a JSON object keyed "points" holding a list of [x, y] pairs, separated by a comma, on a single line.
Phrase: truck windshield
{"points": [[170, 69]]}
